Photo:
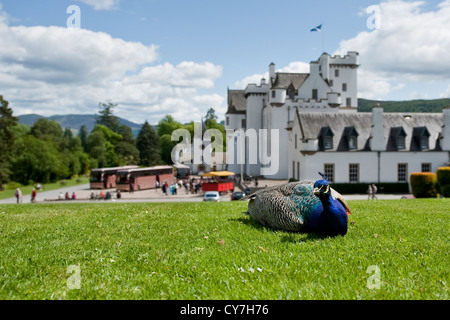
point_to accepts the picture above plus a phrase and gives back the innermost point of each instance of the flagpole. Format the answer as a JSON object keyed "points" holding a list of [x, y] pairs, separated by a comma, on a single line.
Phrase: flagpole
{"points": [[323, 39]]}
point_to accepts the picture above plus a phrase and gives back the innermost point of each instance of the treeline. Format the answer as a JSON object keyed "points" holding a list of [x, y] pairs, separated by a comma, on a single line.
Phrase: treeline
{"points": [[45, 152], [435, 105]]}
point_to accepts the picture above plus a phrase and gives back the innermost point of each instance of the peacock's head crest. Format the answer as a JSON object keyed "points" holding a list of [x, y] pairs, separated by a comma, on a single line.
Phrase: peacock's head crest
{"points": [[321, 187]]}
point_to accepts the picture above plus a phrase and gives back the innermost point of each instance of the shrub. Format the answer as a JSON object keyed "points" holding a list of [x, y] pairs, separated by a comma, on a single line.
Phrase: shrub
{"points": [[423, 184], [443, 181], [12, 185]]}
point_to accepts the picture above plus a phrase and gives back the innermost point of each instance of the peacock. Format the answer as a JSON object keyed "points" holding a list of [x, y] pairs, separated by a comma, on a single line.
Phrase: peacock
{"points": [[306, 206]]}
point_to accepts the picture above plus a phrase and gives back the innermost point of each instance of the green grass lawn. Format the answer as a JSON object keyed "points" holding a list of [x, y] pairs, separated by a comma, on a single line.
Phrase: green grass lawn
{"points": [[395, 249]]}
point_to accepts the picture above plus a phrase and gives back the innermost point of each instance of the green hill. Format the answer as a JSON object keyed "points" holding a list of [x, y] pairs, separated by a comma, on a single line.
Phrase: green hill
{"points": [[435, 105], [75, 121]]}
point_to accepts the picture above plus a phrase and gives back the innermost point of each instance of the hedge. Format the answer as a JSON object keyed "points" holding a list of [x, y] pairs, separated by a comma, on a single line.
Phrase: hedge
{"points": [[443, 180], [361, 188], [423, 184]]}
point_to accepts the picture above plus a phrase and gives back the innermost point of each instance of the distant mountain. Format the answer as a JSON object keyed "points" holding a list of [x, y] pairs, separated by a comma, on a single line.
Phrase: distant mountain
{"points": [[435, 105], [75, 121]]}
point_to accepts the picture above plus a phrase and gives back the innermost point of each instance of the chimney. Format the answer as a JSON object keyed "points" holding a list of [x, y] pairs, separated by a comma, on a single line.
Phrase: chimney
{"points": [[445, 142], [378, 139], [271, 72]]}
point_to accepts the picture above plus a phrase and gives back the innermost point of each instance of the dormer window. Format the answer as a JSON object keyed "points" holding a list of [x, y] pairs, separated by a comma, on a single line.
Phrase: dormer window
{"points": [[401, 144], [398, 138], [352, 142], [326, 138], [291, 92], [351, 136], [328, 142], [421, 138]]}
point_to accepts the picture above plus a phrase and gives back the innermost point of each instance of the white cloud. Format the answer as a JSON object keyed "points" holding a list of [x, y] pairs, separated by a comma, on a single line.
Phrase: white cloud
{"points": [[102, 4], [411, 45], [56, 70], [446, 93]]}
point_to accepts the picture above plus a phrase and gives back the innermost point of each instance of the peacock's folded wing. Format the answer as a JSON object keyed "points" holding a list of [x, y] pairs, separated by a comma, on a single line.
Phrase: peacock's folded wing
{"points": [[340, 198], [284, 207]]}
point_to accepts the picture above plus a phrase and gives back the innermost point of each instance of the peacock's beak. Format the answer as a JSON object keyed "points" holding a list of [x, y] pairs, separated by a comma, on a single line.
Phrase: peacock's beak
{"points": [[316, 191]]}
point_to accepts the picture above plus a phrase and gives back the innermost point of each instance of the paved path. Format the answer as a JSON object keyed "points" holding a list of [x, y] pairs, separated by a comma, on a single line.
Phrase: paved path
{"points": [[154, 195]]}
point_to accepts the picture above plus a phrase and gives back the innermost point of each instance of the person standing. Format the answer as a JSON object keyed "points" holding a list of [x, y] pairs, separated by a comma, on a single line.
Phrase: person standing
{"points": [[369, 192], [18, 195], [374, 191], [33, 196]]}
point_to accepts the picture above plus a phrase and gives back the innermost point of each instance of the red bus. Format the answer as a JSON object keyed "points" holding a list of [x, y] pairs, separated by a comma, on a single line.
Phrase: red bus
{"points": [[104, 178], [222, 181], [143, 178]]}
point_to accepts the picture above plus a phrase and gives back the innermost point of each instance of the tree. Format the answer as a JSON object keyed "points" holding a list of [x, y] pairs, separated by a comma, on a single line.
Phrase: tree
{"points": [[167, 125], [106, 116], [126, 149], [48, 130], [210, 115], [37, 160], [7, 122], [83, 134], [148, 144], [96, 147], [211, 123]]}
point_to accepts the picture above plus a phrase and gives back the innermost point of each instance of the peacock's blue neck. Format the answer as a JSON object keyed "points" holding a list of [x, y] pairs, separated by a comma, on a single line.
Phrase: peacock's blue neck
{"points": [[334, 215], [327, 201]]}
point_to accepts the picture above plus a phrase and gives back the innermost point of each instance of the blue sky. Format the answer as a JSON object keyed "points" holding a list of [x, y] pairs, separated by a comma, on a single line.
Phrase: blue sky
{"points": [[156, 57]]}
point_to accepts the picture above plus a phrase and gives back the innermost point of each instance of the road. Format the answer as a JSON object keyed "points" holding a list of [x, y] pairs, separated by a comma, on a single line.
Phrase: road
{"points": [[154, 195]]}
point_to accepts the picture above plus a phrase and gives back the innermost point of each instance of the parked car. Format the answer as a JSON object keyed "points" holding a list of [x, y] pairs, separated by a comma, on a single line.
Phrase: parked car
{"points": [[237, 195], [211, 196]]}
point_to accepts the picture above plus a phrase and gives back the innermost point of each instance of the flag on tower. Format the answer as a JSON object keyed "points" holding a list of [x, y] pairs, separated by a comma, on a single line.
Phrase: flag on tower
{"points": [[318, 28]]}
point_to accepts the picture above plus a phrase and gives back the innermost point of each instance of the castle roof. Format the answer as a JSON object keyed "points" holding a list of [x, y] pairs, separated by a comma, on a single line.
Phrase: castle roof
{"points": [[283, 80], [314, 125], [237, 103]]}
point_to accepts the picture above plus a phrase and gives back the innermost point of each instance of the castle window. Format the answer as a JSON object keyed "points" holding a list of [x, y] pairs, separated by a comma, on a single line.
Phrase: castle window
{"points": [[349, 102], [329, 171], [328, 142], [314, 94], [351, 137], [421, 138], [336, 73], [353, 170], [401, 144], [352, 142], [228, 121], [325, 138], [274, 93], [402, 172], [344, 87], [291, 92], [426, 167], [397, 139], [424, 142]]}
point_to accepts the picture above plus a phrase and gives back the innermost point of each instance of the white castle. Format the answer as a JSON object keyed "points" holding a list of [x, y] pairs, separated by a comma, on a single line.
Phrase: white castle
{"points": [[331, 86], [319, 129]]}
